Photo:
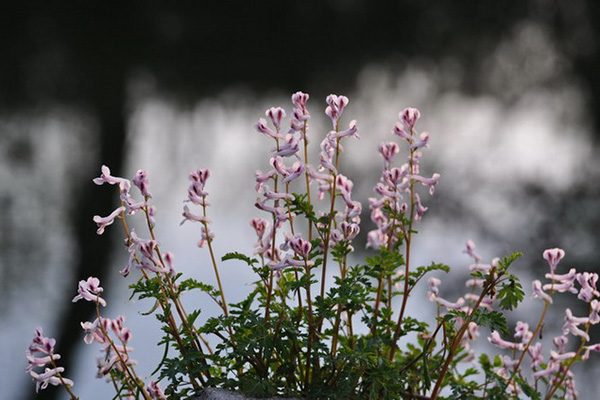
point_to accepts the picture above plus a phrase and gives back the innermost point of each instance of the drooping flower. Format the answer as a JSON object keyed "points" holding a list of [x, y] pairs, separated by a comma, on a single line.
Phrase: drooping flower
{"points": [[588, 289], [39, 354], [572, 325], [90, 290], [141, 181], [536, 286], [553, 256], [262, 127], [103, 222], [51, 376], [351, 131], [496, 340]]}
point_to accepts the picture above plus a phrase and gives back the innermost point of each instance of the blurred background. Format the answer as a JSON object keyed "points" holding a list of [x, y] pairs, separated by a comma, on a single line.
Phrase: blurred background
{"points": [[509, 91]]}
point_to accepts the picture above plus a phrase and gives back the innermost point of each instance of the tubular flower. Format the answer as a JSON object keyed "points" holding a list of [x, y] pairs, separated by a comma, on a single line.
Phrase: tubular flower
{"points": [[39, 354], [103, 222], [572, 325], [496, 340], [335, 107], [538, 292], [106, 177], [141, 181], [553, 256], [90, 290]]}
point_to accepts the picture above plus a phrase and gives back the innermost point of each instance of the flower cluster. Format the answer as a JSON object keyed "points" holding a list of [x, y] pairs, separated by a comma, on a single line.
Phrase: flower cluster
{"points": [[286, 339], [41, 354], [128, 203]]}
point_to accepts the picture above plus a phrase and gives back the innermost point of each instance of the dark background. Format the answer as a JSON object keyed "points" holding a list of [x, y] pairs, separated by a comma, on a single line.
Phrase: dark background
{"points": [[81, 58]]}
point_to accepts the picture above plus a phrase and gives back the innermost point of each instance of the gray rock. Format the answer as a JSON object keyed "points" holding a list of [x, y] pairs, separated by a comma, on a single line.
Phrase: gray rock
{"points": [[222, 394]]}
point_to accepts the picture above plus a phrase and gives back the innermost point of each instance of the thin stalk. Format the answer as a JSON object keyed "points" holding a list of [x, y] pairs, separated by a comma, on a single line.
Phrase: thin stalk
{"points": [[163, 302], [276, 203], [408, 241], [377, 302], [128, 370], [311, 328], [532, 338], [176, 300], [331, 214], [568, 366], [459, 335], [338, 316], [214, 263], [307, 178], [62, 381]]}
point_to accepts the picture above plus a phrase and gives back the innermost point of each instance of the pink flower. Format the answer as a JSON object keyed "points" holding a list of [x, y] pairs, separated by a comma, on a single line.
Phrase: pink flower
{"points": [[409, 117], [553, 256], [422, 142], [155, 391], [496, 340], [92, 333], [420, 208], [262, 127], [430, 182], [189, 216], [561, 356], [300, 99], [588, 289], [103, 222], [275, 114], [388, 151], [295, 172], [288, 148], [535, 351], [376, 239], [538, 292], [260, 225], [44, 346], [594, 313], [40, 345], [106, 177], [300, 246], [522, 331], [572, 325], [90, 290], [351, 131], [593, 347], [49, 376], [400, 130], [432, 296], [262, 178], [141, 181], [349, 230], [433, 284], [335, 108]]}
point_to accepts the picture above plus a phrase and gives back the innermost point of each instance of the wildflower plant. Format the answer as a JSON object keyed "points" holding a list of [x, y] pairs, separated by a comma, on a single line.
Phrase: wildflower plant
{"points": [[295, 334]]}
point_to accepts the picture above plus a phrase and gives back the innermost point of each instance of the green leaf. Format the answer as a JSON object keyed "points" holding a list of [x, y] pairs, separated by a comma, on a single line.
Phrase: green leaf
{"points": [[239, 256], [495, 320], [511, 293], [507, 261]]}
